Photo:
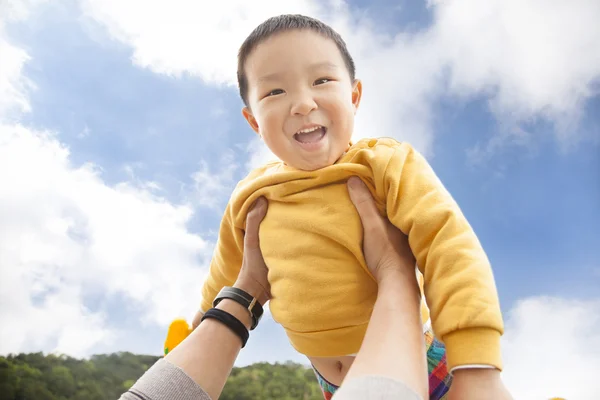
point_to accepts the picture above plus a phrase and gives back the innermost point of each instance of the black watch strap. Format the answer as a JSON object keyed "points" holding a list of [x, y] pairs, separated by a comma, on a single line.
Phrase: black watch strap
{"points": [[230, 321], [244, 299]]}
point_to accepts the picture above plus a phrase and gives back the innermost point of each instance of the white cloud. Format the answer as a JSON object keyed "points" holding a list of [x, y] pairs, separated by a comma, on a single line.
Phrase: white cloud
{"points": [[13, 85], [67, 238], [514, 136], [533, 59], [259, 153], [17, 10], [177, 36], [552, 348], [66, 235], [400, 82], [213, 186], [84, 133]]}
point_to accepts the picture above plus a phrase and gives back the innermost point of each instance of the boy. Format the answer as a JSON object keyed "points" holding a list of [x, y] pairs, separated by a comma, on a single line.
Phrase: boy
{"points": [[297, 81]]}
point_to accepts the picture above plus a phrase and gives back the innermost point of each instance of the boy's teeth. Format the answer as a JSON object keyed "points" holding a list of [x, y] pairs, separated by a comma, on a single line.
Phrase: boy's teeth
{"points": [[308, 130], [310, 135]]}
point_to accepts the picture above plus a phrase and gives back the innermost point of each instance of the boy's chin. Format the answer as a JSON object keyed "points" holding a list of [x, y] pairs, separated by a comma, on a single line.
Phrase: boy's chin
{"points": [[312, 165], [311, 168]]}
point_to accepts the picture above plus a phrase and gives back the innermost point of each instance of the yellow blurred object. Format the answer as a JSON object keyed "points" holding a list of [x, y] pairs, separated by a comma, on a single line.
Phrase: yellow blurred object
{"points": [[178, 331]]}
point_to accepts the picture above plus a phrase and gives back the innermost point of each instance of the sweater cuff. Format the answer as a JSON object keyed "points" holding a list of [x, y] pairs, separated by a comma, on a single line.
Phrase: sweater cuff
{"points": [[473, 346]]}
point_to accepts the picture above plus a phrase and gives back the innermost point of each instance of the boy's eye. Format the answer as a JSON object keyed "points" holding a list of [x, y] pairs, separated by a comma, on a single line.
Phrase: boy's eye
{"points": [[274, 92], [322, 81]]}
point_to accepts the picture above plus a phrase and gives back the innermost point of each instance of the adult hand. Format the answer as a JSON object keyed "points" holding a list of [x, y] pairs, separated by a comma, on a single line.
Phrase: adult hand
{"points": [[393, 345], [385, 247], [388, 257], [253, 273]]}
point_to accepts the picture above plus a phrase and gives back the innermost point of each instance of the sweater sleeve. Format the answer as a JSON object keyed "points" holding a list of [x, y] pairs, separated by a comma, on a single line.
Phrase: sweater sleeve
{"points": [[459, 285], [226, 261], [374, 387], [165, 381]]}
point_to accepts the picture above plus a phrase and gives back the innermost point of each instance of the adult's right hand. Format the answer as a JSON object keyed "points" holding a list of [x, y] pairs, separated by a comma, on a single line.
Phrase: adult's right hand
{"points": [[385, 247], [253, 274]]}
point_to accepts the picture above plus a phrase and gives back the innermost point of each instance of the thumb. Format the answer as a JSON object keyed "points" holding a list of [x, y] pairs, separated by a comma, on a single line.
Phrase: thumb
{"points": [[255, 216], [364, 204]]}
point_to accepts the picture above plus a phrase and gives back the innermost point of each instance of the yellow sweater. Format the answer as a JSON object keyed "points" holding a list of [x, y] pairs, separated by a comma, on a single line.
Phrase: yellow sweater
{"points": [[311, 239]]}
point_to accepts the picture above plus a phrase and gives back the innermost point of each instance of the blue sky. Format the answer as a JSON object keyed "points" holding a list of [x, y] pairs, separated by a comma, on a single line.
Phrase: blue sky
{"points": [[520, 152]]}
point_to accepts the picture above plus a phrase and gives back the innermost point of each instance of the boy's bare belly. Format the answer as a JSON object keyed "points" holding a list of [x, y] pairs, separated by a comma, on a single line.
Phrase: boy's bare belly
{"points": [[333, 369]]}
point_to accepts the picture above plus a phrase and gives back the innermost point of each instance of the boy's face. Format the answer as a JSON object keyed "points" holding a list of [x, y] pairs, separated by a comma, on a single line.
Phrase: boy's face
{"points": [[301, 100]]}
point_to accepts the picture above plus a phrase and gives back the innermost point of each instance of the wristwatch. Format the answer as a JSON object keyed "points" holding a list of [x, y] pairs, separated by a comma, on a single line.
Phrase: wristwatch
{"points": [[243, 298]]}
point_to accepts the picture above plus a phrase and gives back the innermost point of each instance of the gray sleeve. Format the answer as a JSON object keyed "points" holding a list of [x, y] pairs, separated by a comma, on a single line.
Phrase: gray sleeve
{"points": [[375, 388], [165, 381]]}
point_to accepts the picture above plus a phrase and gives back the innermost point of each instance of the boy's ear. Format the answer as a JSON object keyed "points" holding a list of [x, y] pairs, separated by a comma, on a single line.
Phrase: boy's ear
{"points": [[250, 118], [356, 93]]}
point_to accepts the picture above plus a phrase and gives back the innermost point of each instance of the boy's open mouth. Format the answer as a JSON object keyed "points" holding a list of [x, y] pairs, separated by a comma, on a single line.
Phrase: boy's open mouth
{"points": [[310, 135]]}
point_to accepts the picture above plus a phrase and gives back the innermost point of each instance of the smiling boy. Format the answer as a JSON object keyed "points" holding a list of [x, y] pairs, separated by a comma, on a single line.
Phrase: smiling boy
{"points": [[297, 81]]}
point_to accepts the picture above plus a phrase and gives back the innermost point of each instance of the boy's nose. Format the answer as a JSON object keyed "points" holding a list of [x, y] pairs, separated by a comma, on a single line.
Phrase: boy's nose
{"points": [[303, 105]]}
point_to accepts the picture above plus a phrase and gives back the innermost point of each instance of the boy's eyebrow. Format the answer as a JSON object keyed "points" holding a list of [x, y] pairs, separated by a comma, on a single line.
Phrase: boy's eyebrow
{"points": [[324, 65], [318, 65], [269, 77]]}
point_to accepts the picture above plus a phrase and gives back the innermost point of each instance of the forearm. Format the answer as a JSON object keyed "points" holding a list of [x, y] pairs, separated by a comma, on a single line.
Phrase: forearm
{"points": [[393, 345], [209, 353], [198, 367]]}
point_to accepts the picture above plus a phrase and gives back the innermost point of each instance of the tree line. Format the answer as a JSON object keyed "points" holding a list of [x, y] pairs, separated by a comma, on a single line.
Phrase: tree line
{"points": [[36, 376]]}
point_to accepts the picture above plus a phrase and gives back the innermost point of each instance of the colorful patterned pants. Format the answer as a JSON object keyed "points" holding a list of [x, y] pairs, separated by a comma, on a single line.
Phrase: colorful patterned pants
{"points": [[439, 378]]}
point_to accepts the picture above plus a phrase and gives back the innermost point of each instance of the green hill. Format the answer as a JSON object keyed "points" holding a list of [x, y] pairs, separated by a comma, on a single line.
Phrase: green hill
{"points": [[105, 377]]}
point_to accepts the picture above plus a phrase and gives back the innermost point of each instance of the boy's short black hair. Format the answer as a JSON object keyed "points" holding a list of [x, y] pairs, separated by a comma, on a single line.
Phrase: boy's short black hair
{"points": [[284, 23]]}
